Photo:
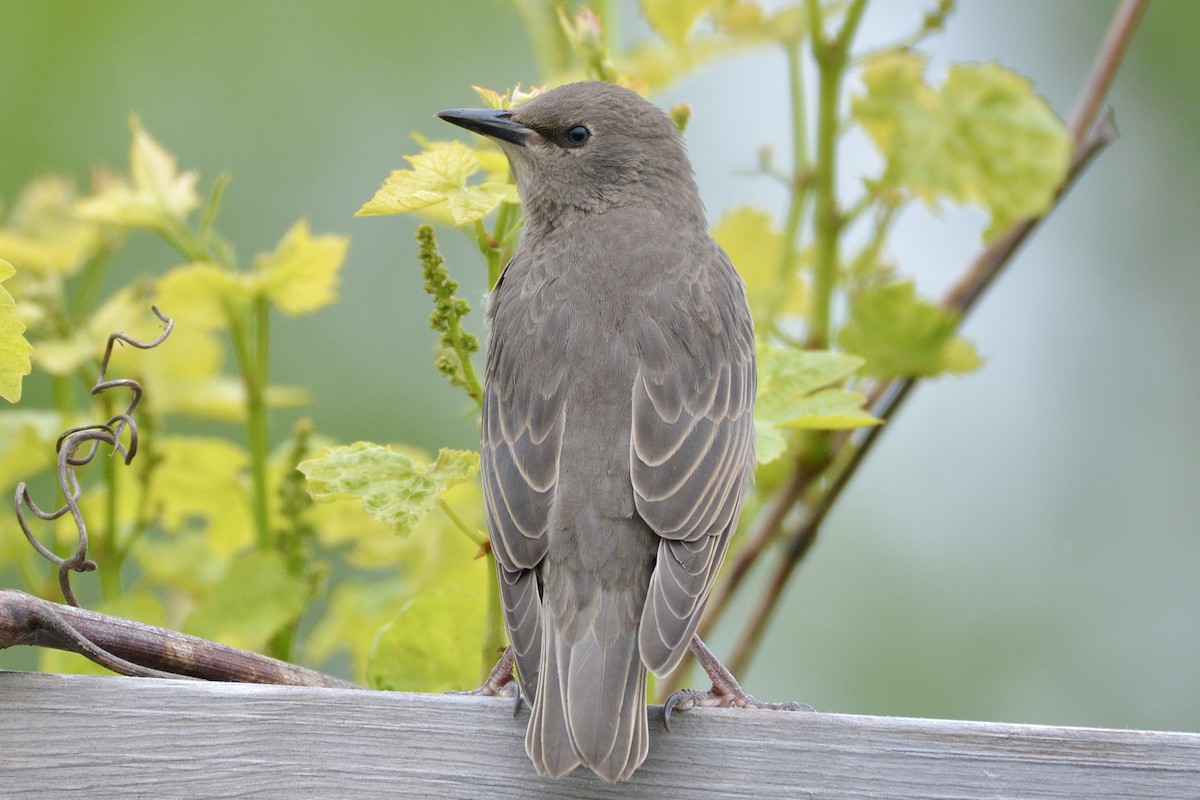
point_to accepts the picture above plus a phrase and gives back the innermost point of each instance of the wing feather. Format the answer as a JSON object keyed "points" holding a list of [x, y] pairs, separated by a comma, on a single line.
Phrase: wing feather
{"points": [[692, 447], [524, 413]]}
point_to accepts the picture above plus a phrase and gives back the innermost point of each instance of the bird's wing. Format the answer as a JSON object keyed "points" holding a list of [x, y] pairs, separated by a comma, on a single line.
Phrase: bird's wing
{"points": [[693, 444], [520, 446]]}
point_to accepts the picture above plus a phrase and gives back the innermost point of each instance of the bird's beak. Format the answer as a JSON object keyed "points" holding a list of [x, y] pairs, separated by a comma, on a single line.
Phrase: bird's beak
{"points": [[495, 123]]}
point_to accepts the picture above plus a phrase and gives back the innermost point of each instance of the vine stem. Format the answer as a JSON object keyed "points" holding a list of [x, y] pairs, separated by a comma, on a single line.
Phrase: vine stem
{"points": [[250, 347], [886, 398], [798, 182], [977, 277], [1104, 68], [831, 56], [495, 637], [464, 528]]}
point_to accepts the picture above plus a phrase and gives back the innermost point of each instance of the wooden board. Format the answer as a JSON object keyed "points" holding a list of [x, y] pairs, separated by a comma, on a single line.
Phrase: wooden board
{"points": [[90, 737]]}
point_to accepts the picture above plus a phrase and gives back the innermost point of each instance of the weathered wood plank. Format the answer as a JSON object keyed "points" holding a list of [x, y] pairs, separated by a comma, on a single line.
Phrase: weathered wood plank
{"points": [[88, 737]]}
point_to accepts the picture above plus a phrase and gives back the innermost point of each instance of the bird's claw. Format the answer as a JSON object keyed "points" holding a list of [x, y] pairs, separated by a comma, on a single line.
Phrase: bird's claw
{"points": [[500, 682], [726, 692], [686, 699]]}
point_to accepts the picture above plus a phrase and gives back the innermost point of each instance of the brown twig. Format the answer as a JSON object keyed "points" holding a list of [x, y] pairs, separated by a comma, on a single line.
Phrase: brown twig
{"points": [[1104, 69], [133, 648], [766, 528], [886, 398], [980, 274]]}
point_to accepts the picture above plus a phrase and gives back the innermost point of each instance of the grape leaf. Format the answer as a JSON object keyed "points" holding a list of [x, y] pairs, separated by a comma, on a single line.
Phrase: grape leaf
{"points": [[251, 603], [156, 196], [795, 390], [14, 349], [755, 247], [901, 335], [673, 20], [43, 235], [437, 183], [199, 478], [302, 274], [983, 137], [352, 618], [392, 487], [27, 440], [432, 644]]}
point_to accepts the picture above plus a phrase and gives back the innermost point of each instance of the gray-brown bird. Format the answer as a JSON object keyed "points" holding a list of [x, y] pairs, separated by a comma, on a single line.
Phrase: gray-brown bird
{"points": [[617, 419]]}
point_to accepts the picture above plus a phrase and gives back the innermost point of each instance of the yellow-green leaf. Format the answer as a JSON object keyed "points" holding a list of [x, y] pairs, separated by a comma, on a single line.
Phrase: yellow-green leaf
{"points": [[302, 274], [63, 356], [156, 195], [220, 397], [437, 183], [203, 296], [673, 20], [14, 349], [252, 602], [433, 643], [831, 409], [755, 246], [749, 20], [510, 99], [42, 234], [983, 137], [353, 616], [191, 355], [154, 174], [185, 562], [393, 488], [27, 440], [199, 483], [901, 335], [794, 392]]}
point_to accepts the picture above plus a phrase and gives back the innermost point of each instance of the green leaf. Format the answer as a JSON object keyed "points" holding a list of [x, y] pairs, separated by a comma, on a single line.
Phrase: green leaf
{"points": [[510, 99], [27, 440], [755, 247], [14, 349], [392, 487], [199, 480], [983, 137], [43, 235], [673, 20], [201, 295], [433, 643], [352, 618], [750, 21], [901, 335], [437, 183], [302, 274], [157, 195], [793, 393], [252, 602]]}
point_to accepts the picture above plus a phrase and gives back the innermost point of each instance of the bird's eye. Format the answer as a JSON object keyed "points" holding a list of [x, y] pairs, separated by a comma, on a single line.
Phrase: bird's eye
{"points": [[578, 136]]}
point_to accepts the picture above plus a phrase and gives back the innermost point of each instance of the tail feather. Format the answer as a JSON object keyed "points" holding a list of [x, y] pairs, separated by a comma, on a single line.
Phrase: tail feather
{"points": [[548, 738], [590, 706]]}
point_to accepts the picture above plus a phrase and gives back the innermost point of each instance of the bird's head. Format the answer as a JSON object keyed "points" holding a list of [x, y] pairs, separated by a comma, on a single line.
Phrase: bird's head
{"points": [[585, 148]]}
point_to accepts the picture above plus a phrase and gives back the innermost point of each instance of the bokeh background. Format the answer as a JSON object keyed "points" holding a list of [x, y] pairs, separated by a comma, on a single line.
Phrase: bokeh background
{"points": [[1022, 546]]}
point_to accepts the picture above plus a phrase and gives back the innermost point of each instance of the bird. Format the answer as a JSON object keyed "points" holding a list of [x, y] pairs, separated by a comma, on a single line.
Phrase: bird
{"points": [[617, 437]]}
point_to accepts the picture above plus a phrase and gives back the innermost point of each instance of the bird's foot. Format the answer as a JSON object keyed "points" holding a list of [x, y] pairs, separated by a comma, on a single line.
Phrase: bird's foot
{"points": [[726, 692], [500, 682], [686, 699]]}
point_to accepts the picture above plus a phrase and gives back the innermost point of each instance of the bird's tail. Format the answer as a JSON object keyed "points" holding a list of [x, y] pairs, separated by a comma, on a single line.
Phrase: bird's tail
{"points": [[590, 706]]}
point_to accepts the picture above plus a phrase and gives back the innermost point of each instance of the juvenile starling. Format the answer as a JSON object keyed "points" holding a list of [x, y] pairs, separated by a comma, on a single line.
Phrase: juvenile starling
{"points": [[618, 436]]}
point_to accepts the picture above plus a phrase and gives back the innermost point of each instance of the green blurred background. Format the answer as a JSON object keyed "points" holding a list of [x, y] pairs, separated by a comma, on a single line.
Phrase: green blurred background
{"points": [[1023, 544]]}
